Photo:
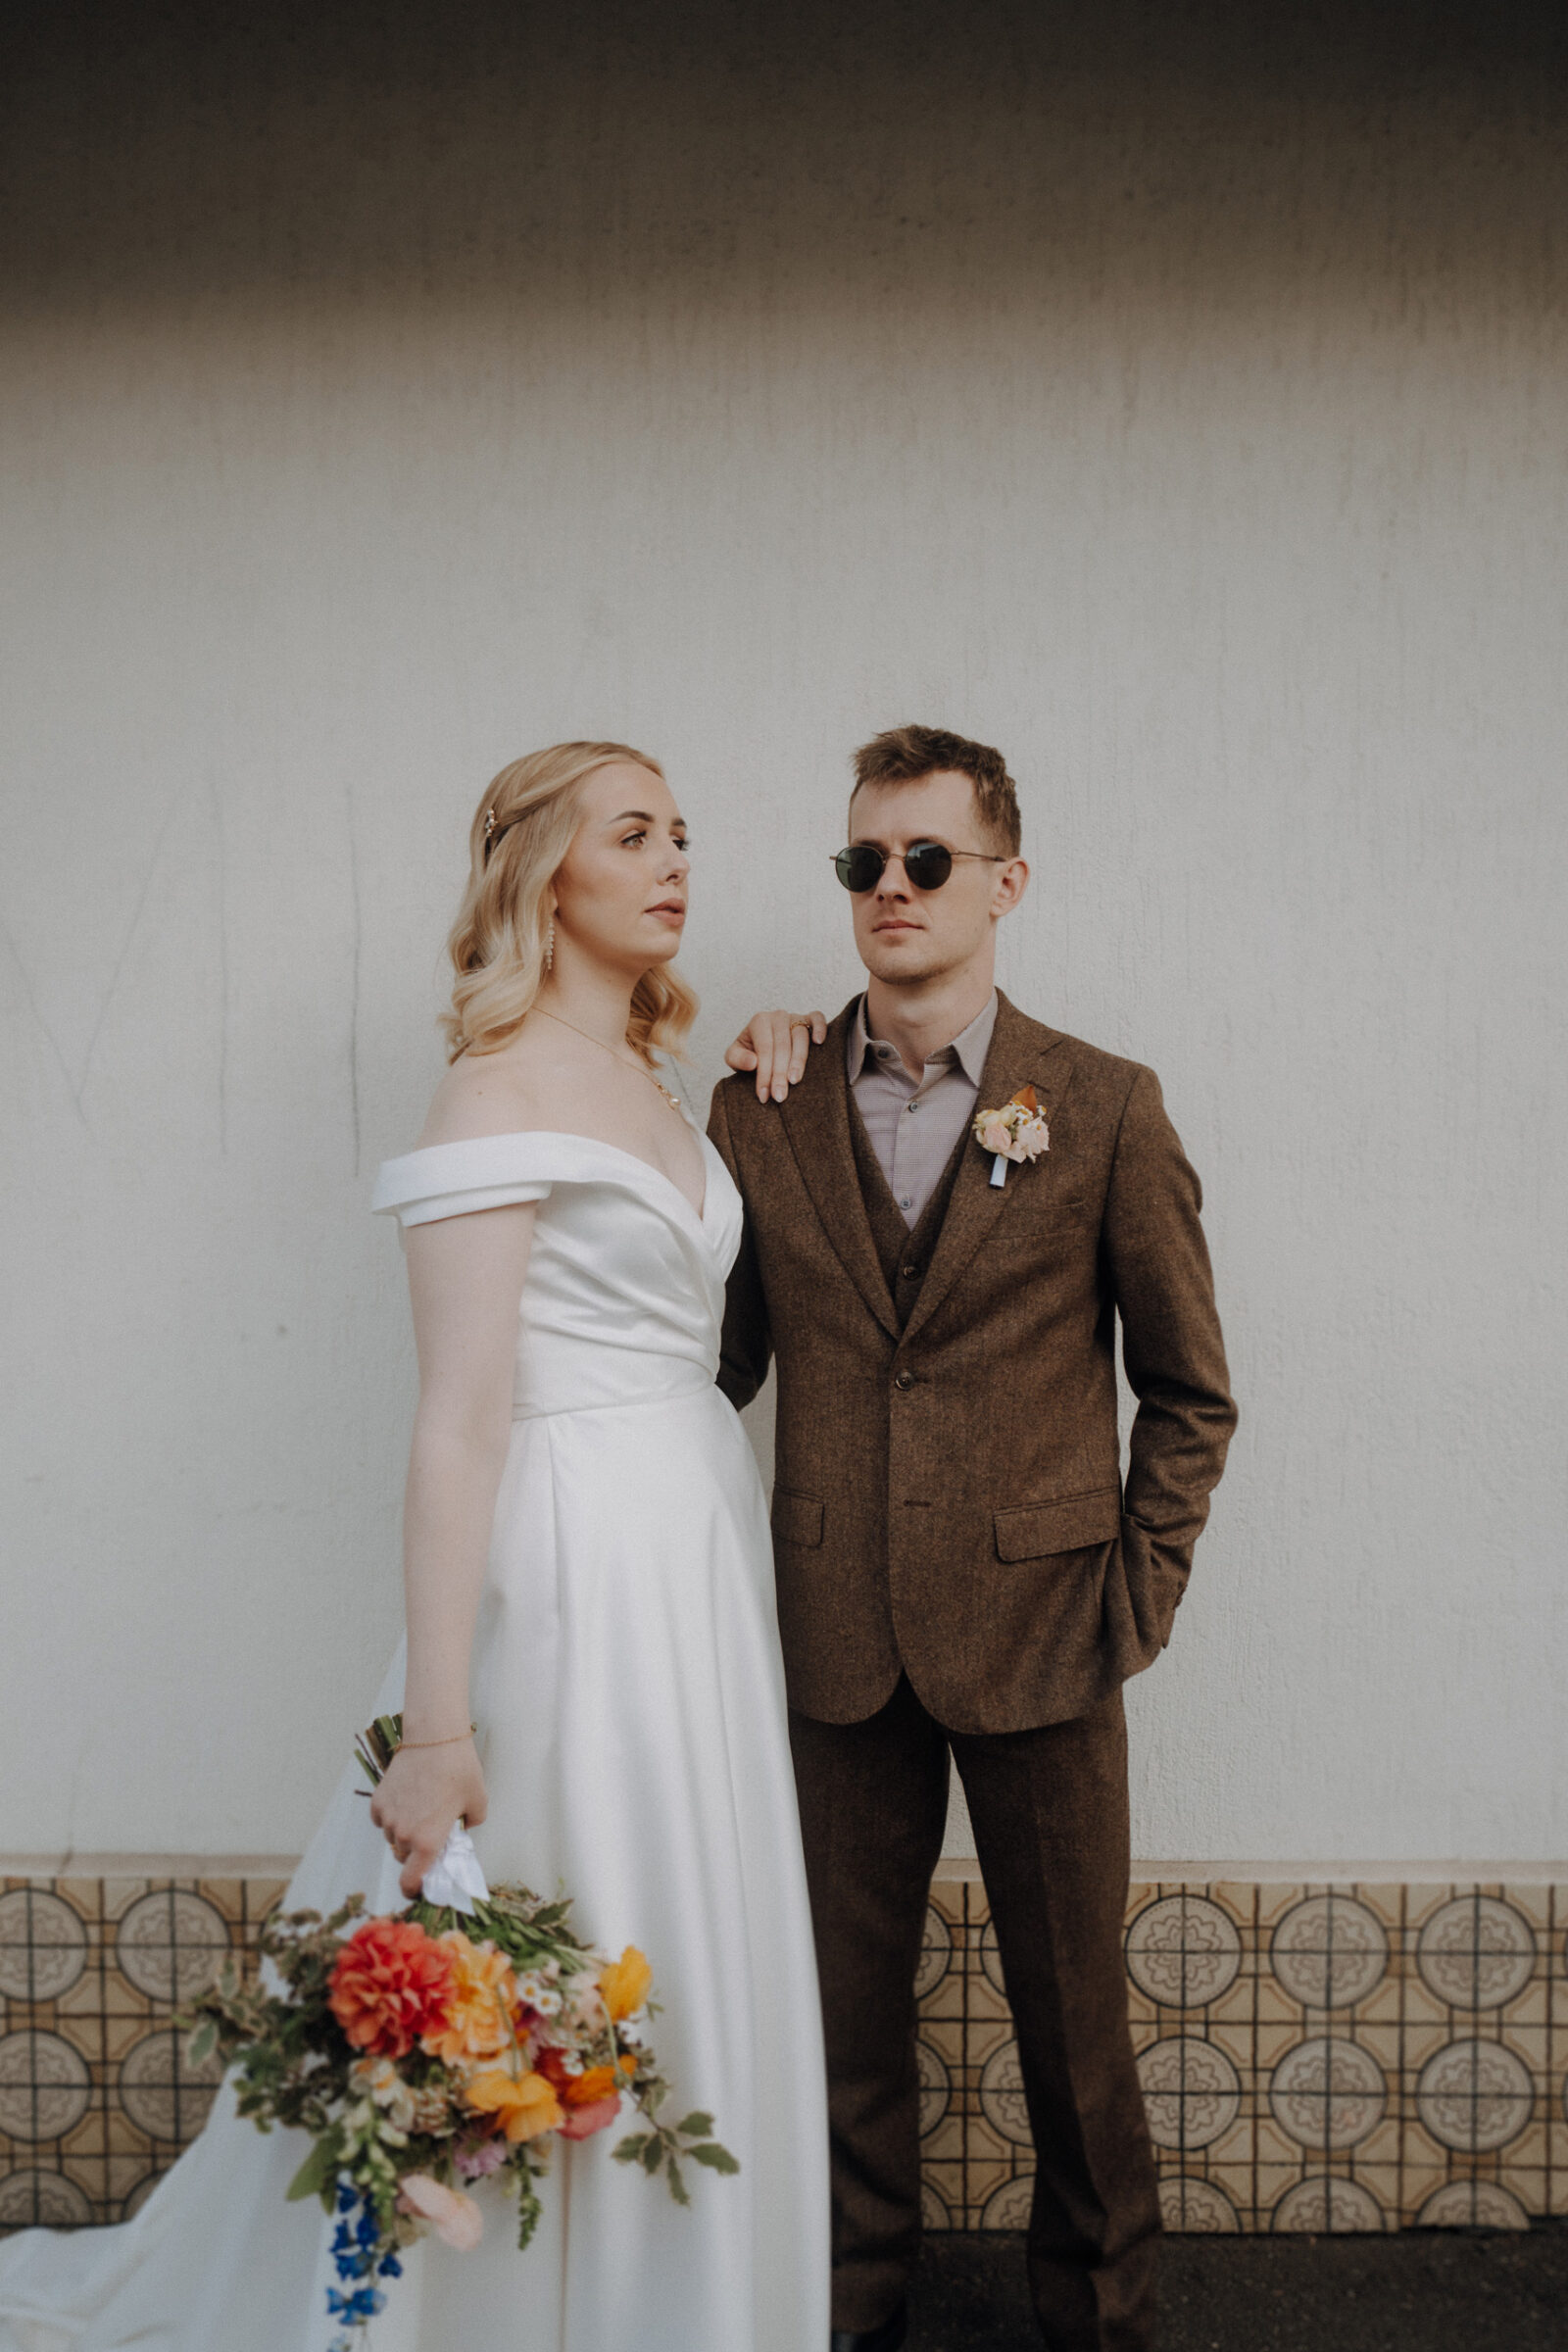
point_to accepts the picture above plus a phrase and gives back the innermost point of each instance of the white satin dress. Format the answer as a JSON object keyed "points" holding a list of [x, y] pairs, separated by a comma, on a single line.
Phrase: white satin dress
{"points": [[630, 1699]]}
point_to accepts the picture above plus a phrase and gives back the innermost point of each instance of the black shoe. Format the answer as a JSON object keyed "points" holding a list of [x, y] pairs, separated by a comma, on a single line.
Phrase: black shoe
{"points": [[889, 2337]]}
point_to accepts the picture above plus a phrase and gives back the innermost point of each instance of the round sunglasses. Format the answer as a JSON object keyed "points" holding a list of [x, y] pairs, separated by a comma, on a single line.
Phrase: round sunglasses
{"points": [[927, 863]]}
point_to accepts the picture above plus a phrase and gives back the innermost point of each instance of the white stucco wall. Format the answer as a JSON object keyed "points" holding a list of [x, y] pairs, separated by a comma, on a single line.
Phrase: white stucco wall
{"points": [[1196, 431]]}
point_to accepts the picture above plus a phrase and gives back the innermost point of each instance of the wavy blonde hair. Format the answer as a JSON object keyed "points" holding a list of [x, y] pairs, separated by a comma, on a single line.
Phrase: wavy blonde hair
{"points": [[497, 944]]}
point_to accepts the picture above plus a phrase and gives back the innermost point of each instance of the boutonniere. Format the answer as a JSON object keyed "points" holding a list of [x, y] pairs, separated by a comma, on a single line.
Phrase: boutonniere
{"points": [[1017, 1130]]}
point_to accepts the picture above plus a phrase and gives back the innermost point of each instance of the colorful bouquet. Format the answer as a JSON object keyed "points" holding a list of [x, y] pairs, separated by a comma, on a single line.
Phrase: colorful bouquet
{"points": [[419, 2053]]}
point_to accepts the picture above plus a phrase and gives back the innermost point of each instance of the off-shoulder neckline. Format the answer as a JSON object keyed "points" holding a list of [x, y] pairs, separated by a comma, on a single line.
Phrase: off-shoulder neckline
{"points": [[568, 1135]]}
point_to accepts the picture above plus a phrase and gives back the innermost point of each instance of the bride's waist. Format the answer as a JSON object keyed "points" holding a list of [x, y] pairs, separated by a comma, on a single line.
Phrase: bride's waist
{"points": [[569, 1381]]}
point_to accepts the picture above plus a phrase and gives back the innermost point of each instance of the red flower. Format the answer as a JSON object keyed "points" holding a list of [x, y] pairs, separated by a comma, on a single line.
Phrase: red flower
{"points": [[390, 1984], [590, 2099]]}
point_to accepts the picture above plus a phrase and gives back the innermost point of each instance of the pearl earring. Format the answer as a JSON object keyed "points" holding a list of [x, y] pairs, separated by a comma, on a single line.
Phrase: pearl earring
{"points": [[550, 944]]}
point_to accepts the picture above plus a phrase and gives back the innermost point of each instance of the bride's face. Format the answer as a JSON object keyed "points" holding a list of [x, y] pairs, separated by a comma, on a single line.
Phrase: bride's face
{"points": [[621, 891]]}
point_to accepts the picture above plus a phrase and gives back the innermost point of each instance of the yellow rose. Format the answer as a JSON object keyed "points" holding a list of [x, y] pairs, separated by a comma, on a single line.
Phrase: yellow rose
{"points": [[625, 1984], [525, 2107]]}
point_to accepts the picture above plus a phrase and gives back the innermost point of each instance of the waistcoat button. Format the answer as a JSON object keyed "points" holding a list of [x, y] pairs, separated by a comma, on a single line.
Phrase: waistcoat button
{"points": [[910, 1273], [904, 1380]]}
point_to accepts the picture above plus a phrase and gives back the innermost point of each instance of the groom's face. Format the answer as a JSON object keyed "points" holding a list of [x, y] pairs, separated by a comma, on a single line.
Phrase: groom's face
{"points": [[904, 934]]}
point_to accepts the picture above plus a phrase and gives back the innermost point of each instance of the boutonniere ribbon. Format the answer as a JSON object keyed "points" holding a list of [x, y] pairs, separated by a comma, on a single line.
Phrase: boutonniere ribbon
{"points": [[1017, 1130]]}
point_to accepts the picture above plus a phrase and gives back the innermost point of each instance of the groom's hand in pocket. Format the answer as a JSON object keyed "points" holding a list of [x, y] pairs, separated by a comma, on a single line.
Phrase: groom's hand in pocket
{"points": [[775, 1045]]}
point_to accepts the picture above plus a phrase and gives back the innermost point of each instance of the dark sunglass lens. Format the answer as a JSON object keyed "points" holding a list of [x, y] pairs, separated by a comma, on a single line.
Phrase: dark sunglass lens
{"points": [[857, 868], [928, 865]]}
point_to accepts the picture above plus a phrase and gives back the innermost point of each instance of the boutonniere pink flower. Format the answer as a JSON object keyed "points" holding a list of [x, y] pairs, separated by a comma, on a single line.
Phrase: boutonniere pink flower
{"points": [[1017, 1130]]}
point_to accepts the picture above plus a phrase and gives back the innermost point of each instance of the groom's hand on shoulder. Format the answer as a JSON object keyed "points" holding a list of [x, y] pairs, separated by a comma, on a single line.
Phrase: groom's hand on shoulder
{"points": [[775, 1045]]}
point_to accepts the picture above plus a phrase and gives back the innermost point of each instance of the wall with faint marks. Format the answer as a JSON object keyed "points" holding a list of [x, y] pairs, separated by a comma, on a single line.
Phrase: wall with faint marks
{"points": [[1174, 396]]}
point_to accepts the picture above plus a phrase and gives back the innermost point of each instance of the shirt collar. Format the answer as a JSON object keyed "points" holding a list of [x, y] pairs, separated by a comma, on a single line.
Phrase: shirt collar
{"points": [[968, 1048]]}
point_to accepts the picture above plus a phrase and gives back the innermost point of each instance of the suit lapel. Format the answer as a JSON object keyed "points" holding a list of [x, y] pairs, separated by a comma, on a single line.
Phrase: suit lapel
{"points": [[816, 1120], [1020, 1049]]}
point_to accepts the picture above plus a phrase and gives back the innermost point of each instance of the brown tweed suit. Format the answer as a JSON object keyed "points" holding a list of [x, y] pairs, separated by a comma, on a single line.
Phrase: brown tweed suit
{"points": [[958, 1568]]}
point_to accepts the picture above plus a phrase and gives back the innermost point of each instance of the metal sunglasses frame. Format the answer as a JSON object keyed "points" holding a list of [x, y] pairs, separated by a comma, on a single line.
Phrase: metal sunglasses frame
{"points": [[866, 849]]}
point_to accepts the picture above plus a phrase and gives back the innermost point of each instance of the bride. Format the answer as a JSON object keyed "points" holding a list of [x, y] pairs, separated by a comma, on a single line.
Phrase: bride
{"points": [[589, 1580]]}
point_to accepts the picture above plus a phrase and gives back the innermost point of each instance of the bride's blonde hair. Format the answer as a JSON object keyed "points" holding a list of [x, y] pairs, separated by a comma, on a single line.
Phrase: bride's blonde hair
{"points": [[522, 831]]}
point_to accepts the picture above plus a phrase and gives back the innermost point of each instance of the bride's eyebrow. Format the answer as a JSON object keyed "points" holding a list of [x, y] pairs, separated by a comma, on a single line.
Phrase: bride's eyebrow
{"points": [[642, 819]]}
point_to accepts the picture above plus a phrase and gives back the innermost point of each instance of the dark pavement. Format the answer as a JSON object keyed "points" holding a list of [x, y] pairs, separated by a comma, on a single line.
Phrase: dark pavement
{"points": [[1420, 2291]]}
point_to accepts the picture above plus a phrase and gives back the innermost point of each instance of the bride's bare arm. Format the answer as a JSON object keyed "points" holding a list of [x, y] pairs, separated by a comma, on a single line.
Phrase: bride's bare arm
{"points": [[466, 1278]]}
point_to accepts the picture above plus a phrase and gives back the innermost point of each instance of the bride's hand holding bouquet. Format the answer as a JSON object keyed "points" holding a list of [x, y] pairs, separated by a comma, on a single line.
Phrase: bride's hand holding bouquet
{"points": [[427, 1788]]}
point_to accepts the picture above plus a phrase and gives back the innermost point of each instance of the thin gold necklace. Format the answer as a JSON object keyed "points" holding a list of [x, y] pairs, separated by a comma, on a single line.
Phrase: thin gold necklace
{"points": [[641, 1067]]}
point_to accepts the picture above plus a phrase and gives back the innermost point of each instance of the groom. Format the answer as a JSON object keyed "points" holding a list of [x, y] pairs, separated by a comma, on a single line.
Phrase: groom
{"points": [[960, 1569]]}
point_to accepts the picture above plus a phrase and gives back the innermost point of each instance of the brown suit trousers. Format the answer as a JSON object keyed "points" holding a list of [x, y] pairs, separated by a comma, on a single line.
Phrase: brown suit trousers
{"points": [[959, 1573]]}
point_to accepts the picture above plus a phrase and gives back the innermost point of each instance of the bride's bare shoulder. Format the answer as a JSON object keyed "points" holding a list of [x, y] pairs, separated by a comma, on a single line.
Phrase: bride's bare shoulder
{"points": [[506, 1092]]}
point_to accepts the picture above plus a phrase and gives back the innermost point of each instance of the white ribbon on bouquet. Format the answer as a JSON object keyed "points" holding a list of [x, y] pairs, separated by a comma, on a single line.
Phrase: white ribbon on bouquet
{"points": [[455, 1880]]}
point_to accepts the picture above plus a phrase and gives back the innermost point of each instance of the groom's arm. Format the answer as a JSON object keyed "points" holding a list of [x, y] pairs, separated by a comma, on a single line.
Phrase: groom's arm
{"points": [[1171, 1345], [746, 1348]]}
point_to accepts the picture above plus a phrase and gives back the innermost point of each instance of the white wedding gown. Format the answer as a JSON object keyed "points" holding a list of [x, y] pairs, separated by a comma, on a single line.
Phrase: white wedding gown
{"points": [[630, 1700]]}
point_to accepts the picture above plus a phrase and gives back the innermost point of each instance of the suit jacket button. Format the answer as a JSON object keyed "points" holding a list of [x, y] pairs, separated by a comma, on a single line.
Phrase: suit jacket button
{"points": [[910, 1273], [904, 1380]]}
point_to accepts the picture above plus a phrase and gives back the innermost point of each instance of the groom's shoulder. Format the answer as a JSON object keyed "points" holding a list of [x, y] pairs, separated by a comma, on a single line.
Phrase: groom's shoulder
{"points": [[1096, 1074]]}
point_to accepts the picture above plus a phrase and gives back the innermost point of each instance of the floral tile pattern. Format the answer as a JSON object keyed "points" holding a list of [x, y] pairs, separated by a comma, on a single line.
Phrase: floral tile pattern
{"points": [[97, 2096], [1314, 2058]]}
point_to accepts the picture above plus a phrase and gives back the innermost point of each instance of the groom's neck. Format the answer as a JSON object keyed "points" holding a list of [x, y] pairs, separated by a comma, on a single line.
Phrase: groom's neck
{"points": [[921, 1016]]}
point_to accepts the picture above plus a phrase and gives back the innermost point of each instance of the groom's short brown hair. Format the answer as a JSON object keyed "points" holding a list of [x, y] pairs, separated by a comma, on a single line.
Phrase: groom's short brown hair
{"points": [[904, 754]]}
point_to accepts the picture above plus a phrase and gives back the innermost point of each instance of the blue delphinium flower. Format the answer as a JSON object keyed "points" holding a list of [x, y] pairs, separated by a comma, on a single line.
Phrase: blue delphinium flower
{"points": [[359, 2256]]}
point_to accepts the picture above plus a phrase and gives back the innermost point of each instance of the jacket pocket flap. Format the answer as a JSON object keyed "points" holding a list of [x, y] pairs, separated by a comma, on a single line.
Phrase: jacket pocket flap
{"points": [[1033, 1530], [797, 1518]]}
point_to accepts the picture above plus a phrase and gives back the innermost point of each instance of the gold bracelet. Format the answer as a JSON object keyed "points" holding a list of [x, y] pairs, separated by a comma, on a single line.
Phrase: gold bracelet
{"points": [[450, 1740]]}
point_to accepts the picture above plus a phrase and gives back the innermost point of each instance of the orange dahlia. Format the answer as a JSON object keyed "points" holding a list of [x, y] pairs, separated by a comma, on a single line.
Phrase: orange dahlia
{"points": [[390, 1984]]}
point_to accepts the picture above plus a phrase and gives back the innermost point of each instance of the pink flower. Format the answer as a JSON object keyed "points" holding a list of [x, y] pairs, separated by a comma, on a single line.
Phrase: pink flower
{"points": [[456, 2219], [487, 2156], [583, 2122], [994, 1137]]}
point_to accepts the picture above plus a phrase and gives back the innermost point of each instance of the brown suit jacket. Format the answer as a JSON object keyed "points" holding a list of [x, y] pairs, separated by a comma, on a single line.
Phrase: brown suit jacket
{"points": [[948, 1499]]}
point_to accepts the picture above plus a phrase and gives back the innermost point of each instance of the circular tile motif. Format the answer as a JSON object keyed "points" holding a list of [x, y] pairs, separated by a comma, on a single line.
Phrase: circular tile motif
{"points": [[936, 1953], [139, 2195], [1318, 2207], [44, 2087], [991, 1957], [1474, 2095], [935, 2087], [1193, 2206], [1330, 1951], [1184, 1951], [1472, 2205], [43, 1945], [42, 2200], [1476, 1953], [162, 2093], [171, 1945], [934, 2214], [1328, 2093], [1192, 2093], [1002, 2099], [1009, 2206]]}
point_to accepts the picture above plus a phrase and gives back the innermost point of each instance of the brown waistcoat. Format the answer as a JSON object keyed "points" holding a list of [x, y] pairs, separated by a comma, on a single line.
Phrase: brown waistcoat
{"points": [[948, 1501]]}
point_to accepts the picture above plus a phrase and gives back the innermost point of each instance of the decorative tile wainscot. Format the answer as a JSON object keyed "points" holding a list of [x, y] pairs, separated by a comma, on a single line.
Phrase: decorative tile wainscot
{"points": [[1314, 2057]]}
